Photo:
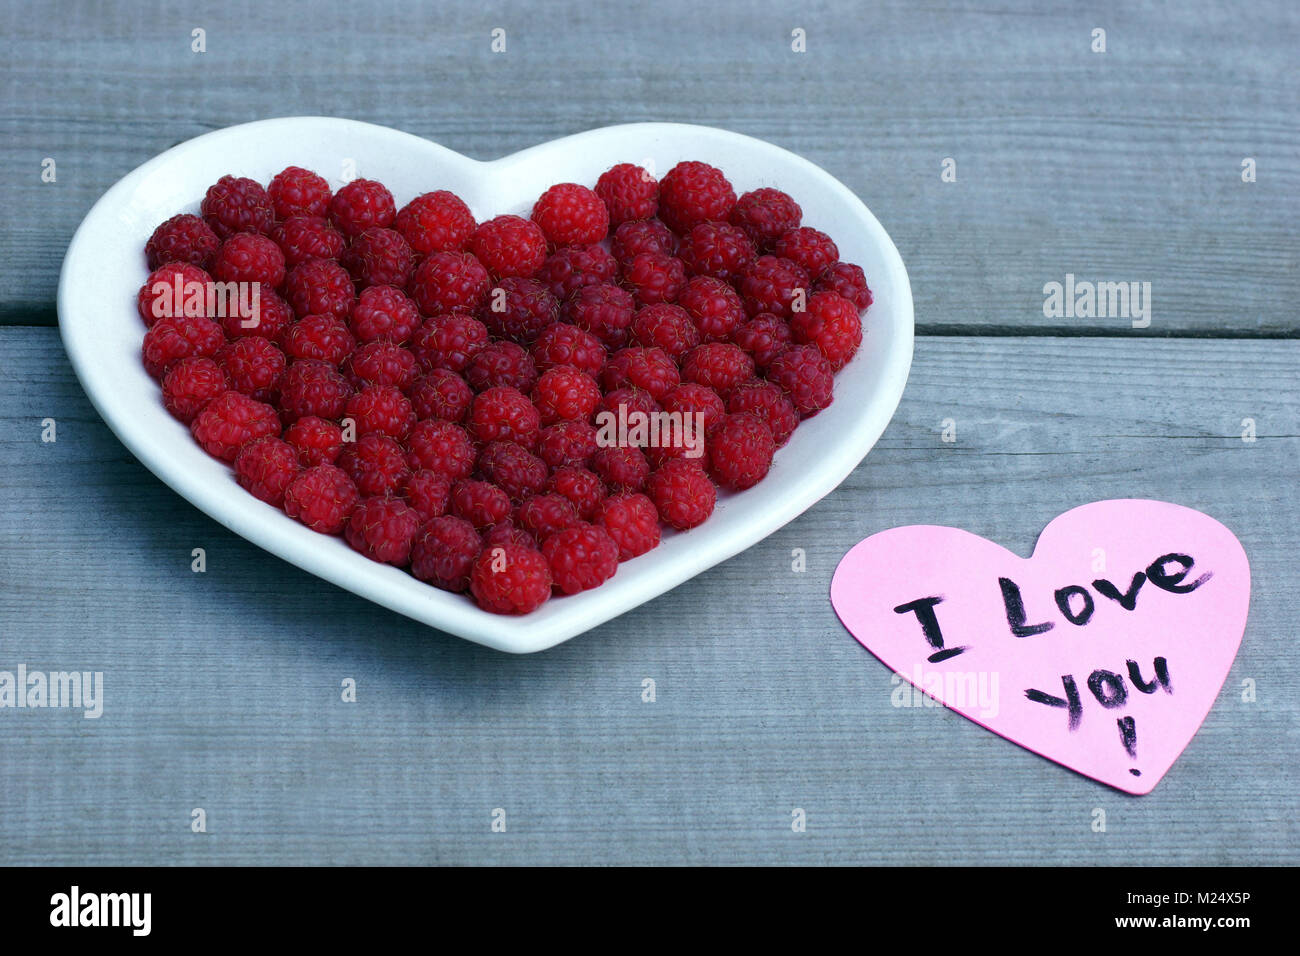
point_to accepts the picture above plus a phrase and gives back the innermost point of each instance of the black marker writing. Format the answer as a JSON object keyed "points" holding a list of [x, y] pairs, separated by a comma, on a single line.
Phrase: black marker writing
{"points": [[1015, 605], [923, 608]]}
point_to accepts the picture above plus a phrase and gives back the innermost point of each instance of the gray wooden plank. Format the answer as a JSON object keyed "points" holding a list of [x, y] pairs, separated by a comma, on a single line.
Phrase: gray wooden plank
{"points": [[1122, 166], [222, 689]]}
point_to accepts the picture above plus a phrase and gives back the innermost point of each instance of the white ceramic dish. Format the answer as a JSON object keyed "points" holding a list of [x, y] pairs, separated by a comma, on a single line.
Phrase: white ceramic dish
{"points": [[101, 331]]}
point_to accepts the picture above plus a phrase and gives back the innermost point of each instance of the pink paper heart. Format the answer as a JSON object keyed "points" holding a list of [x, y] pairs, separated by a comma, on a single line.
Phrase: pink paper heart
{"points": [[1115, 696]]}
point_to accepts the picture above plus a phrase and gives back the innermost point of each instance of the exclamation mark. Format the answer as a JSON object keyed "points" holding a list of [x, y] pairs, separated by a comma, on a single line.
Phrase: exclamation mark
{"points": [[1128, 736]]}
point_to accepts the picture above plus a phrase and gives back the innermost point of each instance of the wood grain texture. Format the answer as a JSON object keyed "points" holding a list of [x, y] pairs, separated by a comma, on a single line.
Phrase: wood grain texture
{"points": [[1115, 167], [222, 688]]}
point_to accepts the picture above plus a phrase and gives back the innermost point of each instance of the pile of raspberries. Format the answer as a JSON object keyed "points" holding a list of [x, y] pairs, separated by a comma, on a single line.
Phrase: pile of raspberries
{"points": [[426, 385]]}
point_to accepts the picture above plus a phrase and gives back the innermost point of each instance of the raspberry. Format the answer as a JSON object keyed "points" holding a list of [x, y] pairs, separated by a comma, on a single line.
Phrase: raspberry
{"points": [[501, 363], [298, 192], [770, 403], [563, 344], [565, 394], [808, 248], [719, 365], [360, 205], [503, 413], [380, 363], [846, 279], [692, 193], [667, 327], [265, 466], [307, 237], [764, 337], [376, 464], [481, 503], [713, 306], [441, 394], [435, 222], [519, 309], [567, 443], [384, 312], [570, 214], [544, 515], [832, 324], [771, 285], [621, 468], [740, 451], [766, 215], [581, 558], [253, 366], [717, 249], [428, 492], [249, 257], [580, 486], [434, 445], [633, 523], [628, 192], [183, 238], [653, 277], [516, 471], [605, 311], [448, 341], [509, 246], [179, 337], [642, 235], [188, 386], [316, 441], [229, 421], [382, 410], [647, 368], [507, 532], [267, 319], [321, 337], [157, 298], [807, 377], [379, 257], [623, 402], [310, 387], [234, 205], [682, 494], [320, 287], [449, 282], [444, 551], [322, 498], [510, 579], [383, 529], [690, 398], [570, 268]]}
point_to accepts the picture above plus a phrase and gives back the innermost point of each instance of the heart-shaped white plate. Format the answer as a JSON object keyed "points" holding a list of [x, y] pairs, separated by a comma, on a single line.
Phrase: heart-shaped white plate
{"points": [[104, 269]]}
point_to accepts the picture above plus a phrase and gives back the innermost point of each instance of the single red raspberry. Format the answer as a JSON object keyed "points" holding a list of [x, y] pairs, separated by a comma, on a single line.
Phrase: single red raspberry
{"points": [[317, 441], [622, 468], [449, 282], [376, 463], [564, 393], [807, 377], [320, 287], [307, 237], [311, 387], [564, 344], [360, 205], [690, 398], [380, 363], [570, 268], [717, 249], [846, 279], [503, 413], [770, 403], [501, 363], [441, 394], [773, 285], [383, 529], [253, 366], [229, 421], [740, 451], [384, 312], [382, 410], [444, 551], [653, 277], [682, 493], [189, 384], [481, 503], [518, 309], [321, 337], [582, 487], [322, 498], [448, 341], [567, 443], [158, 297], [507, 532], [435, 222], [379, 257], [832, 324], [516, 471], [810, 249], [692, 193], [510, 579], [299, 192], [665, 326], [629, 192], [544, 515], [766, 215], [570, 214], [179, 337], [764, 337], [428, 492], [651, 369], [719, 365], [183, 238], [509, 246], [581, 558], [234, 205], [713, 306], [264, 468], [605, 311], [267, 317], [642, 235], [628, 403], [633, 523], [435, 445]]}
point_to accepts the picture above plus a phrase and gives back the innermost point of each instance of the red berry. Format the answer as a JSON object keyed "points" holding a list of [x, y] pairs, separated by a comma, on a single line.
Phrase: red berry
{"points": [[740, 451], [719, 365], [692, 193], [682, 494], [569, 268], [650, 369], [503, 413], [642, 235], [543, 515], [441, 394], [434, 445], [516, 471], [518, 309], [628, 402], [360, 205], [481, 503], [265, 466], [563, 344], [253, 366], [234, 205], [810, 249], [690, 398], [580, 486], [564, 393], [449, 282], [380, 363], [621, 468], [509, 246], [448, 341], [713, 306], [717, 249], [321, 337], [320, 287], [666, 326], [444, 551], [316, 441], [764, 337], [428, 492], [383, 529], [628, 192], [376, 464], [267, 318], [183, 238], [510, 579], [653, 277], [501, 363], [229, 421], [435, 222], [605, 311], [298, 192], [567, 443], [770, 403], [570, 214], [307, 237], [379, 257], [311, 387], [322, 498], [807, 377], [382, 410], [384, 312], [832, 324], [772, 284], [189, 384], [179, 337], [633, 523], [581, 557], [766, 215], [158, 298], [847, 280]]}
